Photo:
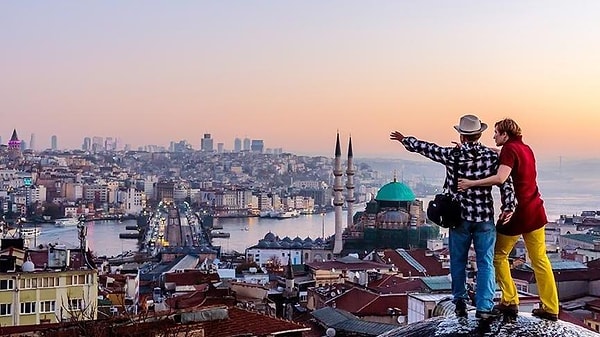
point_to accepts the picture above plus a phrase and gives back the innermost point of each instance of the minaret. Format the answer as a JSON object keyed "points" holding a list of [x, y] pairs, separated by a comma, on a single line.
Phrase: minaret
{"points": [[338, 200], [289, 276], [350, 186]]}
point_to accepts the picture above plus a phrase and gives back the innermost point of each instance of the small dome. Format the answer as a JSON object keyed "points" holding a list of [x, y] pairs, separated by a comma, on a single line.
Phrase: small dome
{"points": [[28, 266], [296, 245], [298, 239], [270, 237], [263, 244], [395, 191], [308, 239], [285, 244], [287, 239]]}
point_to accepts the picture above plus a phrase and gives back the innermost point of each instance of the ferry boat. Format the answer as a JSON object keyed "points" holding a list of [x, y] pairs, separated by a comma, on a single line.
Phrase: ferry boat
{"points": [[288, 214], [63, 222]]}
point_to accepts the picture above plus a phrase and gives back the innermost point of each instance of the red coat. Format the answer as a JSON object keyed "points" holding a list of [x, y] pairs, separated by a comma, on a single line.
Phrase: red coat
{"points": [[530, 213]]}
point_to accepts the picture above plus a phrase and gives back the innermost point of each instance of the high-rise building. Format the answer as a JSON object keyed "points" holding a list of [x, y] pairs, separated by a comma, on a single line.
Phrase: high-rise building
{"points": [[54, 143], [97, 144], [206, 143], [32, 142], [87, 144], [246, 144], [220, 147], [237, 145], [257, 145]]}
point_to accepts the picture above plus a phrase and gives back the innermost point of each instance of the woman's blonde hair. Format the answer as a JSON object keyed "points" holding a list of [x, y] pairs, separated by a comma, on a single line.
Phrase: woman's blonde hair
{"points": [[509, 126]]}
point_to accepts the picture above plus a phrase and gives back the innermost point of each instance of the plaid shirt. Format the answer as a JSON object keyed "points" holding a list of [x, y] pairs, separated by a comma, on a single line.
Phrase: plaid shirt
{"points": [[475, 161]]}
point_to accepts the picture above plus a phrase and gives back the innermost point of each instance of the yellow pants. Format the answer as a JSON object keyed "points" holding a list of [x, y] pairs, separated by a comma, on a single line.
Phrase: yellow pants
{"points": [[536, 249]]}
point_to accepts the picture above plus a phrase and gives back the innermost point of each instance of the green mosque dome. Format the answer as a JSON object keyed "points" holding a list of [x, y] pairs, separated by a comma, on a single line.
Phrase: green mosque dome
{"points": [[395, 191]]}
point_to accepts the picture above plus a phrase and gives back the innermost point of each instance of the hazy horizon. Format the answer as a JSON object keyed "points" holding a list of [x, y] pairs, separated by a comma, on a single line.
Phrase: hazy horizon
{"points": [[294, 73]]}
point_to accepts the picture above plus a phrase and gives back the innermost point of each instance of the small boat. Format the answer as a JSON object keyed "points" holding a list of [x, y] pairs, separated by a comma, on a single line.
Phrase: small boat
{"points": [[219, 234], [64, 222]]}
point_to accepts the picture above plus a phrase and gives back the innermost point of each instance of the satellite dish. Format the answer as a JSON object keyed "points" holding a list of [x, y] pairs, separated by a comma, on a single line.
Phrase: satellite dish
{"points": [[332, 294], [400, 319], [330, 332]]}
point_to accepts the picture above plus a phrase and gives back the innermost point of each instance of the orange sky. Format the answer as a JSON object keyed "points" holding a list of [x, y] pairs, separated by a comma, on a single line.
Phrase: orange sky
{"points": [[293, 74]]}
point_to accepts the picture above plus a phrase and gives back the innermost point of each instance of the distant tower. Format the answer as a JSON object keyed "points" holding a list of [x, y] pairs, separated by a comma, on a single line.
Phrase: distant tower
{"points": [[350, 186], [257, 145], [32, 142], [246, 144], [87, 144], [237, 145], [54, 143], [289, 276], [206, 143], [290, 294], [220, 147], [14, 145], [338, 201]]}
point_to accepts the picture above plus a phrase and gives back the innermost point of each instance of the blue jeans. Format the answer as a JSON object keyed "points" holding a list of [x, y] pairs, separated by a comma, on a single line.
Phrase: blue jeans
{"points": [[483, 236]]}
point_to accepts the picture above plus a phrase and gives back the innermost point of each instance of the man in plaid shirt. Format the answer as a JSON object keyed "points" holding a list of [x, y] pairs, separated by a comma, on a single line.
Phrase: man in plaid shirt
{"points": [[475, 161]]}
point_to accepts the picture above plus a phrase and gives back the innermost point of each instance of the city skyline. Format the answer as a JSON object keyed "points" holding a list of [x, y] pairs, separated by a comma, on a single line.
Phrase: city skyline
{"points": [[293, 74]]}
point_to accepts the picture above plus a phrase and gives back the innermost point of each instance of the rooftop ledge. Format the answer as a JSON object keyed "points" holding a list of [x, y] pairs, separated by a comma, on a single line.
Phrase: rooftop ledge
{"points": [[525, 326]]}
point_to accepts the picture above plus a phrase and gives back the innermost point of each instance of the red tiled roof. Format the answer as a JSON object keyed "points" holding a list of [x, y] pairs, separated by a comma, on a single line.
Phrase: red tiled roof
{"points": [[353, 300], [432, 266], [191, 300], [244, 322], [380, 305], [392, 284]]}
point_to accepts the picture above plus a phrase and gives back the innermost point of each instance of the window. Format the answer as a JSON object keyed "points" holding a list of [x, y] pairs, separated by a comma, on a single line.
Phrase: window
{"points": [[28, 283], [28, 307], [6, 284], [48, 282], [75, 304], [5, 309], [76, 279], [47, 306]]}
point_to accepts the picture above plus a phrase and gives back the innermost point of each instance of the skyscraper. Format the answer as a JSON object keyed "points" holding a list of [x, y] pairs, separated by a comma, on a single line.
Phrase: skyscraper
{"points": [[220, 147], [54, 143], [206, 143], [32, 142], [87, 144], [257, 145], [237, 145], [246, 144]]}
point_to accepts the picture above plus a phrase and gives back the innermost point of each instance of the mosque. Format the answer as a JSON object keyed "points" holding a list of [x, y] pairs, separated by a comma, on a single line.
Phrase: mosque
{"points": [[393, 219]]}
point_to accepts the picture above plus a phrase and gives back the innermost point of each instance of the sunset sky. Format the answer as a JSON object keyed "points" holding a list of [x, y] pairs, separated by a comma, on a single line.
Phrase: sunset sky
{"points": [[294, 72]]}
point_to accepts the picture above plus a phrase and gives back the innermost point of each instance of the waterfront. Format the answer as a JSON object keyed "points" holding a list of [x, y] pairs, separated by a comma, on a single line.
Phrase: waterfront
{"points": [[103, 236], [560, 197]]}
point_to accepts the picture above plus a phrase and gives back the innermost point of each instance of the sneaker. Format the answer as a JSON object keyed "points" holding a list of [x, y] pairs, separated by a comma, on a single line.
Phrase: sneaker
{"points": [[461, 308], [494, 313], [543, 314], [507, 309]]}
